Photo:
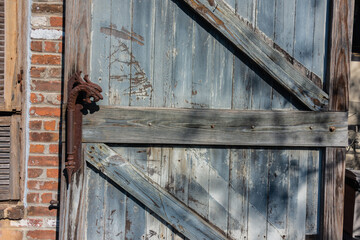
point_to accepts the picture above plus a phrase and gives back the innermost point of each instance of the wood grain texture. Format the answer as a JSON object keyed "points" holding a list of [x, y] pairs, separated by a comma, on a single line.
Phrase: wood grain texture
{"points": [[223, 18], [10, 51], [149, 193], [215, 127], [77, 58], [338, 76]]}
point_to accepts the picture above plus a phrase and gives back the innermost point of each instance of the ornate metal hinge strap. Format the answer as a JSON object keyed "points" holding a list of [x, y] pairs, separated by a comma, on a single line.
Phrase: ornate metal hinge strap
{"points": [[81, 91]]}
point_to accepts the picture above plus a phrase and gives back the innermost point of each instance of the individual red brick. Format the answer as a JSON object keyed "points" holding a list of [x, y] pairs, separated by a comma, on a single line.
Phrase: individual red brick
{"points": [[36, 98], [48, 86], [46, 8], [41, 211], [34, 172], [45, 161], [35, 125], [51, 47], [55, 72], [44, 137], [43, 185], [37, 148], [54, 148], [37, 72], [33, 198], [41, 234], [56, 21], [46, 197], [46, 59], [50, 125], [60, 47], [52, 173], [36, 46], [45, 111]]}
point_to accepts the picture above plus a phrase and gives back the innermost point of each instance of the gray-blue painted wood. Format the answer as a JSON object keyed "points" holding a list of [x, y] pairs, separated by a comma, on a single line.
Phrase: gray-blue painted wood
{"points": [[183, 63], [145, 190]]}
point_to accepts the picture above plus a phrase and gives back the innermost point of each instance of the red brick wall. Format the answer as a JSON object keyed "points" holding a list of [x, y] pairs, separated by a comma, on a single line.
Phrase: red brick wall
{"points": [[38, 221]]}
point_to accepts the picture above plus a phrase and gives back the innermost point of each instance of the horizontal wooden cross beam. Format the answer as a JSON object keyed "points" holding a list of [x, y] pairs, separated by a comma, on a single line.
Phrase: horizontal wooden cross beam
{"points": [[215, 127], [149, 193], [225, 20]]}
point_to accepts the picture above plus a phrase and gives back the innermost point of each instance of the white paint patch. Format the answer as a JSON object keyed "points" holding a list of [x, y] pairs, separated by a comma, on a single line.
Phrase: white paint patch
{"points": [[50, 223], [48, 34], [39, 21]]}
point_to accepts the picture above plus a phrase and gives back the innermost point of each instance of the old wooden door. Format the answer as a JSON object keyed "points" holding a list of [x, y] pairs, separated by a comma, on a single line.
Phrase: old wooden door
{"points": [[214, 124]]}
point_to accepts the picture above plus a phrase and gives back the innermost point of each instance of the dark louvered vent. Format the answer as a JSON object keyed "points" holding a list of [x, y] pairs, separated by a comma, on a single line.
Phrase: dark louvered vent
{"points": [[2, 49], [4, 160]]}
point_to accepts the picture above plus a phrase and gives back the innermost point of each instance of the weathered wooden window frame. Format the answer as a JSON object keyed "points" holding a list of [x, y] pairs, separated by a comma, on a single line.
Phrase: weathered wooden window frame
{"points": [[10, 107]]}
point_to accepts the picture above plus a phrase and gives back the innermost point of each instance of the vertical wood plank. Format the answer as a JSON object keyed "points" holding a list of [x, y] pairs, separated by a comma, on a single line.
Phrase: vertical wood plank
{"points": [[284, 37], [304, 32], [258, 190], [77, 27], [297, 194], [135, 212], [238, 193], [165, 231], [219, 188], [153, 171], [114, 213], [278, 194], [313, 193], [199, 181], [100, 46], [183, 60], [337, 80], [164, 40], [120, 54], [95, 205], [202, 68], [245, 8], [142, 50], [266, 17], [320, 24]]}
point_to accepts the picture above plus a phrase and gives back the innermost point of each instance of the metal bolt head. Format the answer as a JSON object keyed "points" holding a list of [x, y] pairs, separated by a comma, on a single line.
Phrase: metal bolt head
{"points": [[332, 129], [253, 127], [311, 128], [149, 124]]}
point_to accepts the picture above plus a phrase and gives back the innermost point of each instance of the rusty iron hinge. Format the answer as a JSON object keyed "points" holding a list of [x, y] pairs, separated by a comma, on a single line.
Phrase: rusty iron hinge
{"points": [[81, 92]]}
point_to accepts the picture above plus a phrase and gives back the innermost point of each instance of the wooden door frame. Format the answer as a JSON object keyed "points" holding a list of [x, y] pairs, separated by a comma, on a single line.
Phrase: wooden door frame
{"points": [[337, 84], [77, 58]]}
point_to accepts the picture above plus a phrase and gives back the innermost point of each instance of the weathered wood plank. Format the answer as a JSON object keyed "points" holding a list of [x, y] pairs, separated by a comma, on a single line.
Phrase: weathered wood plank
{"points": [[313, 192], [118, 89], [100, 60], [223, 18], [215, 127], [278, 193], [142, 52], [338, 76], [95, 219], [297, 194], [199, 181], [149, 193], [238, 193], [258, 192], [77, 40]]}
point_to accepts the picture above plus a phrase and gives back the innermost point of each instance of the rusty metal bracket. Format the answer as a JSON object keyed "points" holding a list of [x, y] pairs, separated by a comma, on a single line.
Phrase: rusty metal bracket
{"points": [[81, 91]]}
